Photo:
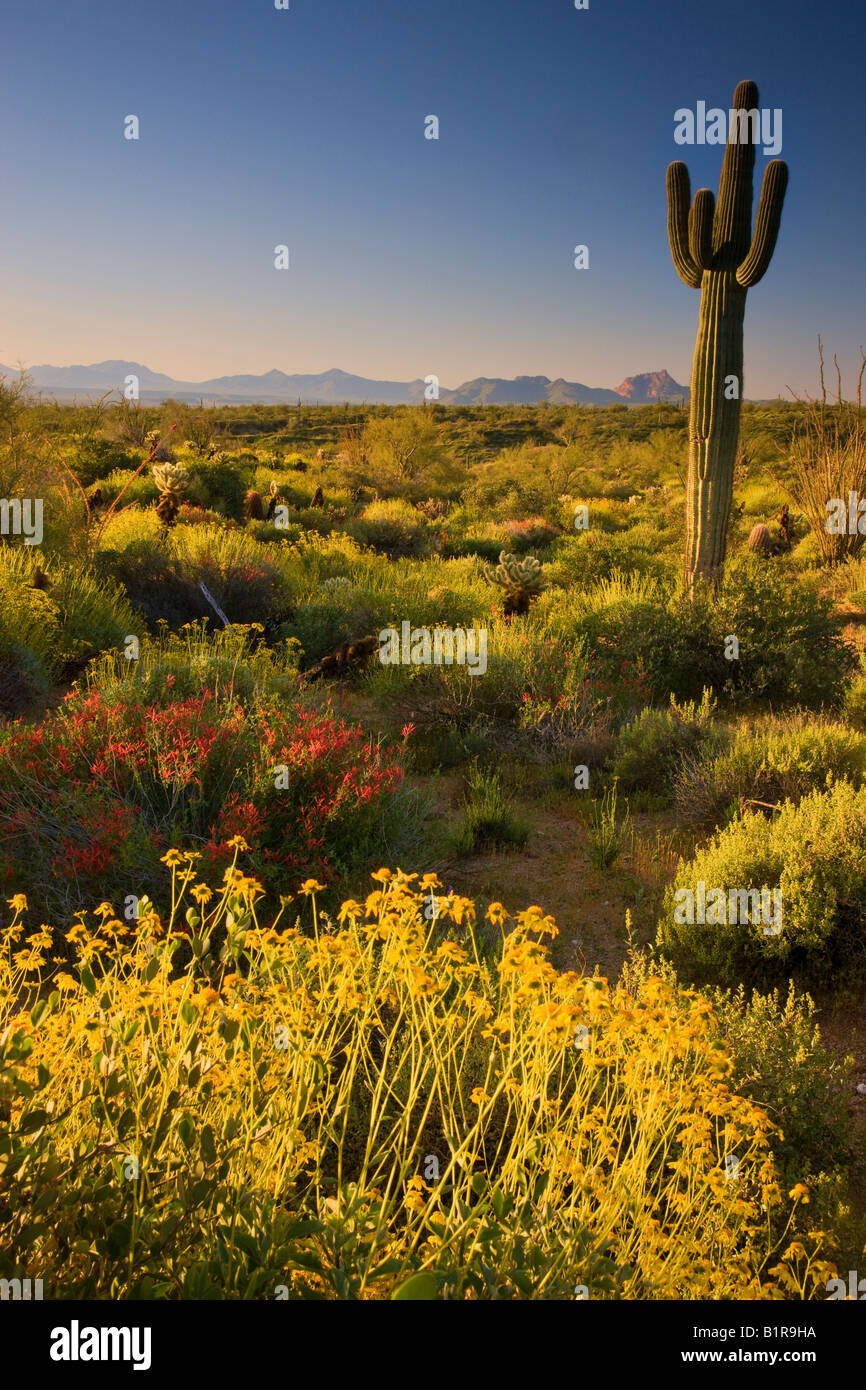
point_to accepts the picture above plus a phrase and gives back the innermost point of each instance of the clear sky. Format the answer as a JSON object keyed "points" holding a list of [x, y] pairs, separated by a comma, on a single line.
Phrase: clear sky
{"points": [[411, 256]]}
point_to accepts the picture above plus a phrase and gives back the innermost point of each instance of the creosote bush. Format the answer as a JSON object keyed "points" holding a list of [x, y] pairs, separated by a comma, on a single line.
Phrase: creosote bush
{"points": [[812, 853]]}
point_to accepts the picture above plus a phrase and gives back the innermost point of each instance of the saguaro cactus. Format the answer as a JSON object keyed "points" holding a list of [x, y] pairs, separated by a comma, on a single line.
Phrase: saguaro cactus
{"points": [[713, 250]]}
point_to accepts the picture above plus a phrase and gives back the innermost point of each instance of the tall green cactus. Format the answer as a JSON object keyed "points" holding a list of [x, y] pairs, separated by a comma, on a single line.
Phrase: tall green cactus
{"points": [[713, 250]]}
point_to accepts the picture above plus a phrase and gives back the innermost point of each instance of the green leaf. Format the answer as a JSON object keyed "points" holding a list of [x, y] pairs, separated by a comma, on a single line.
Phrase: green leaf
{"points": [[186, 1129], [118, 1239], [420, 1287], [38, 1012], [208, 1147], [87, 980], [34, 1119]]}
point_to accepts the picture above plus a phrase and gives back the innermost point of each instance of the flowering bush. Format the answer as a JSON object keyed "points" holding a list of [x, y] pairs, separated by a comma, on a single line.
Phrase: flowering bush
{"points": [[90, 797], [371, 1111], [524, 535]]}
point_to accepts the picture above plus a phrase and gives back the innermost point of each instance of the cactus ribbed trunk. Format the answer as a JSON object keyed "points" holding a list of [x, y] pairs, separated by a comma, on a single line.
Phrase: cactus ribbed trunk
{"points": [[714, 423], [714, 250]]}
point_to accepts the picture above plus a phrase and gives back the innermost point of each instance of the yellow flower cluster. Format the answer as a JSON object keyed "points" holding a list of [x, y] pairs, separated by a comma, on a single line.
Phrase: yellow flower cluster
{"points": [[380, 1074]]}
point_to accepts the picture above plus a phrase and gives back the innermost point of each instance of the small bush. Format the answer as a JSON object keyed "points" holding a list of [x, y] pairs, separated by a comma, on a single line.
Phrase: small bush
{"points": [[813, 853], [488, 820], [91, 797], [650, 749], [773, 763], [393, 527]]}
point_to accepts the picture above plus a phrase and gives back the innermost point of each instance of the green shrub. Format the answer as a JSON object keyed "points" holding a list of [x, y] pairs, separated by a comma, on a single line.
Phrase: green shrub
{"points": [[607, 835], [232, 664], [42, 629], [589, 556], [855, 697], [489, 820], [650, 749], [393, 527], [769, 764], [780, 1062], [162, 576], [813, 854], [790, 651]]}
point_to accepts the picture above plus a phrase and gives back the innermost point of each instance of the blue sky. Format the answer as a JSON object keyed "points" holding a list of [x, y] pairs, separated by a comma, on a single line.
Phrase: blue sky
{"points": [[412, 256]]}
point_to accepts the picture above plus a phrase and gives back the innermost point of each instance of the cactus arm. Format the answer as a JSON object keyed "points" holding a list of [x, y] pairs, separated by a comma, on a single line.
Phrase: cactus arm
{"points": [[732, 228], [701, 228], [751, 270], [679, 197]]}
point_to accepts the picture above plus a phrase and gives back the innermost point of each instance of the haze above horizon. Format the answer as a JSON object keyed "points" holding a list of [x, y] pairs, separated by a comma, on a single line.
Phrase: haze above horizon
{"points": [[411, 256]]}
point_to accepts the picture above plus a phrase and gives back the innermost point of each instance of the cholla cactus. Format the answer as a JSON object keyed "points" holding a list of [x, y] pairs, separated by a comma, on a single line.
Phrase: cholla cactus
{"points": [[157, 452], [171, 480], [522, 581]]}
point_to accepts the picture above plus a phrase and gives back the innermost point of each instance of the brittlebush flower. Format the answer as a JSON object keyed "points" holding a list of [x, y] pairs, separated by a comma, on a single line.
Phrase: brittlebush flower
{"points": [[311, 886], [799, 1193], [18, 903]]}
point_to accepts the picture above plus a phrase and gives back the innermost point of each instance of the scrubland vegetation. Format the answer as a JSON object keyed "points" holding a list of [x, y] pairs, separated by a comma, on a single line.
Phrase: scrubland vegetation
{"points": [[374, 985]]}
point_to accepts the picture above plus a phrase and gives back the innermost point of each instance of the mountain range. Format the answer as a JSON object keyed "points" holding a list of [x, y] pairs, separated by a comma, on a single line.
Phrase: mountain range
{"points": [[335, 387]]}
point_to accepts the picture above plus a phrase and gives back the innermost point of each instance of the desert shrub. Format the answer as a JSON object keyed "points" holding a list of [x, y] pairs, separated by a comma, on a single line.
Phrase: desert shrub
{"points": [[162, 576], [270, 533], [190, 514], [589, 556], [855, 697], [344, 613], [791, 652], [529, 534], [402, 454], [141, 489], [43, 629], [274, 1066], [813, 854], [231, 663], [30, 641], [484, 542], [98, 458], [488, 819], [779, 1061], [650, 749], [220, 485], [667, 641], [526, 669], [393, 527], [94, 794], [771, 763]]}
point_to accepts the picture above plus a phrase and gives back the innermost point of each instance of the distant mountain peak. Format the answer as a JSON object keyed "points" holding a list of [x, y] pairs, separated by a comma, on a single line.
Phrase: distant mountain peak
{"points": [[651, 386], [336, 386]]}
